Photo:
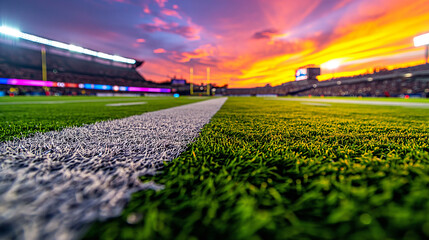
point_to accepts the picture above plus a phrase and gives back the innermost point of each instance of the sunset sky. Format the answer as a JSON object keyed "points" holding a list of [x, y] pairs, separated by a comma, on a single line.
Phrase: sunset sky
{"points": [[246, 43]]}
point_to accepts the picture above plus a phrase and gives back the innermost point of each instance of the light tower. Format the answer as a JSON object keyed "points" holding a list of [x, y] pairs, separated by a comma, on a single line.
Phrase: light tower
{"points": [[208, 81], [191, 78]]}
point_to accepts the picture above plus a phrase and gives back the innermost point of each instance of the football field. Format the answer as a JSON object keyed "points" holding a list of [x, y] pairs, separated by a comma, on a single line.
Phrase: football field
{"points": [[261, 168], [54, 184], [274, 169]]}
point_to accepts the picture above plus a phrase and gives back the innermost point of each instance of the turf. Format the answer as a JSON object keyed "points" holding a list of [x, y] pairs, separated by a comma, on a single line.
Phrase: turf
{"points": [[281, 170], [21, 120]]}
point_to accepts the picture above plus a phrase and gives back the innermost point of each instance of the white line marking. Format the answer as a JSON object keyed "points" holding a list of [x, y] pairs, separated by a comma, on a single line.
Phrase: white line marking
{"points": [[125, 104], [317, 104], [365, 102], [52, 185]]}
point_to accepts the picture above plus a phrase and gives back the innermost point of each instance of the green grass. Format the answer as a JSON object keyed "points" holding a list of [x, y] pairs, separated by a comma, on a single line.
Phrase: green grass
{"points": [[20, 120], [282, 170]]}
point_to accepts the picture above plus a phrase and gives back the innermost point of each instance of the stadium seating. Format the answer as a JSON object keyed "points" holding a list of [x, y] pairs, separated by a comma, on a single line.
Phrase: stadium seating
{"points": [[25, 63], [412, 81]]}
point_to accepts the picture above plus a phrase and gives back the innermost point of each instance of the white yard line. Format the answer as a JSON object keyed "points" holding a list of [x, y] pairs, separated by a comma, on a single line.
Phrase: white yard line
{"points": [[65, 101], [316, 104], [125, 104], [52, 185], [365, 102]]}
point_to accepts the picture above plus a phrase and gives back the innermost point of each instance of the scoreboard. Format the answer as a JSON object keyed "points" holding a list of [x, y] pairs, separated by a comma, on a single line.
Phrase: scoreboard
{"points": [[307, 73]]}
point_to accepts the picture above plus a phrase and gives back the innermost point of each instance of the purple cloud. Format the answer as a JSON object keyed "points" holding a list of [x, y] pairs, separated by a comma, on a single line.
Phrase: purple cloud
{"points": [[188, 32], [266, 34]]}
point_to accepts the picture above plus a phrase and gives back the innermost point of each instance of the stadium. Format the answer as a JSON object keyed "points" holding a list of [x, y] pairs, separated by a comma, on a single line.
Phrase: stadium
{"points": [[192, 120]]}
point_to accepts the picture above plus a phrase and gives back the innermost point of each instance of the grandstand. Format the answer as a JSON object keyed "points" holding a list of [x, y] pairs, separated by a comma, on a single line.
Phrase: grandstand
{"points": [[67, 72], [410, 81]]}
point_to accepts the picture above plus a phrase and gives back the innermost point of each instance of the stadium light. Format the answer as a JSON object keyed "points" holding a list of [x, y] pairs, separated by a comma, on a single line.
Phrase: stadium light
{"points": [[10, 31], [331, 65], [70, 47], [423, 40]]}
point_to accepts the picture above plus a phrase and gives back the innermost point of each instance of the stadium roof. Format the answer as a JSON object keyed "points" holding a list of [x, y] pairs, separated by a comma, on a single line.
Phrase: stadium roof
{"points": [[73, 48]]}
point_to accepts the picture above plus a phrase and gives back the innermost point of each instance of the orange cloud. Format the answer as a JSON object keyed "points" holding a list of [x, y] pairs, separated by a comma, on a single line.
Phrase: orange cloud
{"points": [[375, 34], [199, 53], [159, 50], [361, 33]]}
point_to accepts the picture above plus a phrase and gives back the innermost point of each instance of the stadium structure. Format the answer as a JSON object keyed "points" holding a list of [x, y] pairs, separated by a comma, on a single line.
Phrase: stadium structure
{"points": [[410, 81], [31, 65]]}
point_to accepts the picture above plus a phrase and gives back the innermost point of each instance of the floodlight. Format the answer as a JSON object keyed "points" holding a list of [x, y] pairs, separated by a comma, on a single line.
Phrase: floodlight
{"points": [[58, 45], [89, 52], [18, 34], [103, 55], [13, 32], [331, 65], [74, 48], [421, 40]]}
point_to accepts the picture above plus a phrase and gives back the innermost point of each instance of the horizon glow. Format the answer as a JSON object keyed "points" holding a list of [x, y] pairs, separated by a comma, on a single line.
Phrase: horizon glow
{"points": [[246, 43]]}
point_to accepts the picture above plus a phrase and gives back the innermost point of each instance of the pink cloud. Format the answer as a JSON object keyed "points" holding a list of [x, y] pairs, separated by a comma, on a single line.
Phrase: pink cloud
{"points": [[146, 9], [159, 22], [140, 40], [189, 32], [161, 3], [159, 50], [175, 6], [172, 13]]}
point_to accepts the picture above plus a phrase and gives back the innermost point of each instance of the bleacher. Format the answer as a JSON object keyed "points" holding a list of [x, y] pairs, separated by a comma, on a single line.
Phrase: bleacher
{"points": [[412, 81], [394, 83], [25, 63]]}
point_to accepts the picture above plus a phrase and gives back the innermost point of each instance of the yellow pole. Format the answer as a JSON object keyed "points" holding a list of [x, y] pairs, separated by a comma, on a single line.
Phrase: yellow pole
{"points": [[44, 72], [208, 81], [191, 77], [427, 53]]}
